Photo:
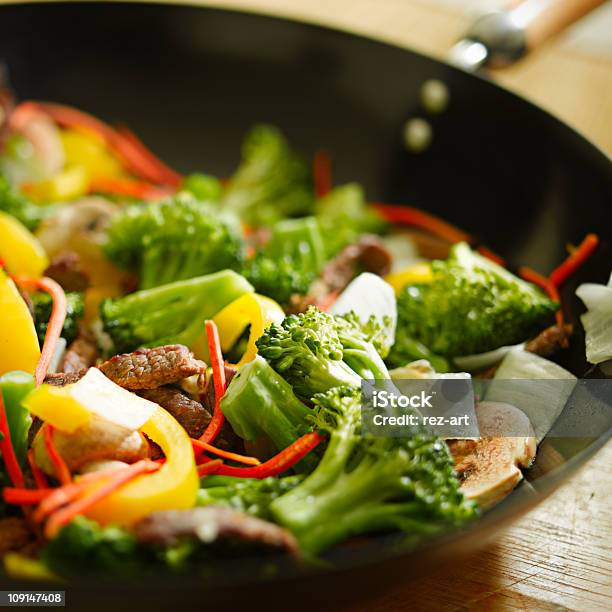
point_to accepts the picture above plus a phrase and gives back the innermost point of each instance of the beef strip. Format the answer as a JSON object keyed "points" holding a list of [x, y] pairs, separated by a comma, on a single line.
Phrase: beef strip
{"points": [[368, 254], [59, 379], [152, 368], [80, 355], [550, 341], [212, 524], [190, 414], [16, 536], [65, 268]]}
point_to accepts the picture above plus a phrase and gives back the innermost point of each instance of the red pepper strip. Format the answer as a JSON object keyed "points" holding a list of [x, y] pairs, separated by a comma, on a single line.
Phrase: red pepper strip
{"points": [[280, 463], [210, 467], [39, 477], [170, 176], [584, 250], [546, 285], [8, 452], [489, 254], [23, 497], [81, 505], [216, 359], [407, 215], [322, 173], [131, 154], [56, 322], [130, 188], [327, 301], [61, 469], [199, 446]]}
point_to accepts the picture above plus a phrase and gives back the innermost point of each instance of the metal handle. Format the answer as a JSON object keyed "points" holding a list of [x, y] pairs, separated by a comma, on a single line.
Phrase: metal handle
{"points": [[501, 38]]}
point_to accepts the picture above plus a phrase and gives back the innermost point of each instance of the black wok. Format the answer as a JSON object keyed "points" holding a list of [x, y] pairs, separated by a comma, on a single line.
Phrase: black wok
{"points": [[191, 81]]}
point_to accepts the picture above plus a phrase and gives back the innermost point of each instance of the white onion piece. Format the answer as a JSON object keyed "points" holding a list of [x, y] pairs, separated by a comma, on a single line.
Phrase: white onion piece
{"points": [[58, 356], [542, 402], [597, 321], [45, 138], [480, 361], [368, 295]]}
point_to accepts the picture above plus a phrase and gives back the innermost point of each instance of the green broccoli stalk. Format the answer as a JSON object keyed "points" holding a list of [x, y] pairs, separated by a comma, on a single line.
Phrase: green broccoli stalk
{"points": [[15, 203], [173, 313], [365, 484], [359, 353], [472, 305], [271, 183], [75, 310], [172, 240], [279, 419], [406, 349], [245, 494], [344, 215], [306, 351], [374, 330]]}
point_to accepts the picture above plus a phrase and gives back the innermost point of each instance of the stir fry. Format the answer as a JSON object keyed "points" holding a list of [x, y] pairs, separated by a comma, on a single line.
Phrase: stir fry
{"points": [[182, 357]]}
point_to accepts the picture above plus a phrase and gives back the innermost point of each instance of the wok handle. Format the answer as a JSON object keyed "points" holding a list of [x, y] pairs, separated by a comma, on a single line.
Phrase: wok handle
{"points": [[501, 38], [541, 19]]}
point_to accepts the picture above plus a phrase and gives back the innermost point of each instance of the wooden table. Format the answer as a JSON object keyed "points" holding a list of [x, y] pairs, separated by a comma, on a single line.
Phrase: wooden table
{"points": [[560, 555]]}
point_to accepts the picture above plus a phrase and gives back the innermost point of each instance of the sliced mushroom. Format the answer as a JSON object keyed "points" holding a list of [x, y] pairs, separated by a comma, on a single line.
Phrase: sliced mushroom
{"points": [[490, 466], [98, 440]]}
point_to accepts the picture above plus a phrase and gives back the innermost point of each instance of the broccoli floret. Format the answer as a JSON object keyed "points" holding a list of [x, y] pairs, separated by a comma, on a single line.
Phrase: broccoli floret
{"points": [[84, 546], [75, 310], [280, 418], [15, 203], [271, 183], [315, 351], [245, 494], [277, 278], [204, 187], [173, 313], [374, 330], [172, 240], [306, 351], [472, 305], [344, 215], [369, 484]]}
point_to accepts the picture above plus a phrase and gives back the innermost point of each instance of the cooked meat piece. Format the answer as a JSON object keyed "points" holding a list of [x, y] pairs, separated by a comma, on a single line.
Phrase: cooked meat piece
{"points": [[80, 355], [213, 524], [16, 536], [190, 414], [65, 268], [368, 254], [489, 466], [98, 440], [550, 341], [428, 245], [152, 368], [60, 379]]}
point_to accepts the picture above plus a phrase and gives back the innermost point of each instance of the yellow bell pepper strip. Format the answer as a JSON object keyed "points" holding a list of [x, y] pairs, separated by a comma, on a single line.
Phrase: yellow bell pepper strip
{"points": [[71, 183], [251, 309], [83, 147], [418, 273], [69, 407], [23, 568], [20, 250], [173, 487], [19, 349]]}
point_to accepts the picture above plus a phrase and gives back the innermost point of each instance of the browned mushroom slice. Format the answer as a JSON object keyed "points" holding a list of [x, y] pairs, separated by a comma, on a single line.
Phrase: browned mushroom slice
{"points": [[97, 440], [213, 524], [490, 466]]}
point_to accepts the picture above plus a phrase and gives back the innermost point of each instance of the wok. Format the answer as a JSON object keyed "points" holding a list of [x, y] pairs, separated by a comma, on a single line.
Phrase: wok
{"points": [[191, 81]]}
